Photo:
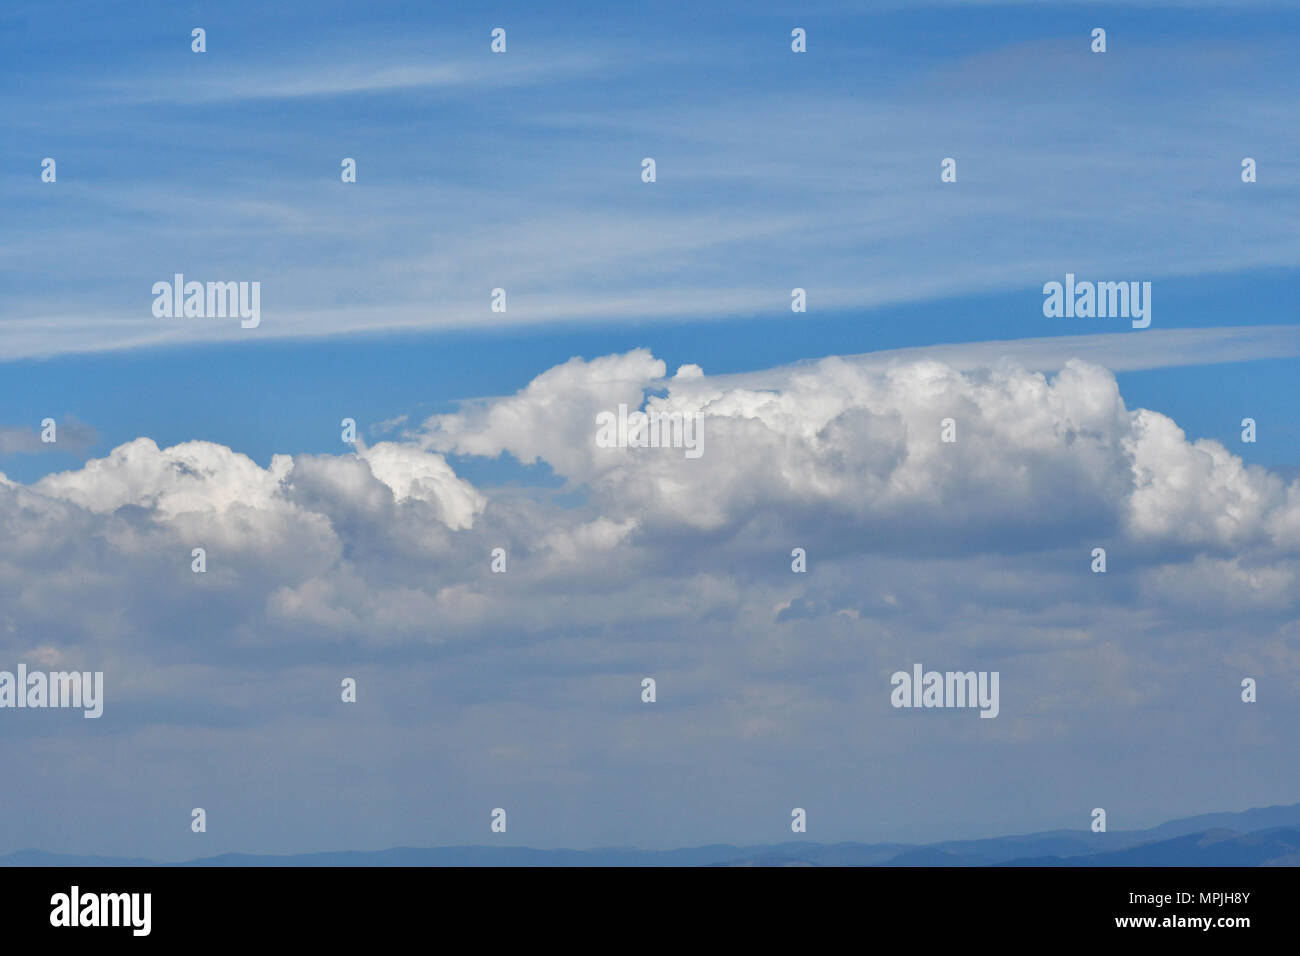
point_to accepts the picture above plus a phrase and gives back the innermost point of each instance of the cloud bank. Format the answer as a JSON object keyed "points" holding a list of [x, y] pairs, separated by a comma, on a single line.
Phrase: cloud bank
{"points": [[773, 684]]}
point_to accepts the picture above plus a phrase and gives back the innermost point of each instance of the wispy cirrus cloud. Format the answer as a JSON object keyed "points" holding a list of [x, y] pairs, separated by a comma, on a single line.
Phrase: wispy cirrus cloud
{"points": [[339, 75], [72, 436], [757, 193]]}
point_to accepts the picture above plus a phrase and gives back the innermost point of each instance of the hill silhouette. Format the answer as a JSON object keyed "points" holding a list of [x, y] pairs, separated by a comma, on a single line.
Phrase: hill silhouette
{"points": [[1265, 836]]}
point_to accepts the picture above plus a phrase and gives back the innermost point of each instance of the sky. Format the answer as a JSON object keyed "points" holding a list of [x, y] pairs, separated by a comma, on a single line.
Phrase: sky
{"points": [[522, 170]]}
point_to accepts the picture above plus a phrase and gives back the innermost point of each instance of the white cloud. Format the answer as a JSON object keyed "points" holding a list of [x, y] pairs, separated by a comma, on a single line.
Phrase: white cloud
{"points": [[861, 440], [413, 474], [974, 554]]}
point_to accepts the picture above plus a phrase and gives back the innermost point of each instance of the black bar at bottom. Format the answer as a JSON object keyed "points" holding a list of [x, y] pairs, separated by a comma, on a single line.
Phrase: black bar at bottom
{"points": [[667, 907]]}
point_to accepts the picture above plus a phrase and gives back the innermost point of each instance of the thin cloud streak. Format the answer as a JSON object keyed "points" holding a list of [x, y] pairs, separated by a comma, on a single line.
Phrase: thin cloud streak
{"points": [[1116, 351]]}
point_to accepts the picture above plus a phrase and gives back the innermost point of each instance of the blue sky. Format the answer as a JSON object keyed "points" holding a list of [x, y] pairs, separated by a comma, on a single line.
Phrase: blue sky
{"points": [[228, 163], [522, 171], [264, 398]]}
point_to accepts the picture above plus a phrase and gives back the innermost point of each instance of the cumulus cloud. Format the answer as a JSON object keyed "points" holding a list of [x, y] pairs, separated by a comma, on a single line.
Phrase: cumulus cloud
{"points": [[973, 553], [846, 458], [862, 443]]}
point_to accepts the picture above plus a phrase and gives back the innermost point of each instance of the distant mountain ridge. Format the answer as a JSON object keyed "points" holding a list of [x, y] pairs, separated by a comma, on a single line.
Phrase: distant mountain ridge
{"points": [[1265, 836], [1279, 846]]}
